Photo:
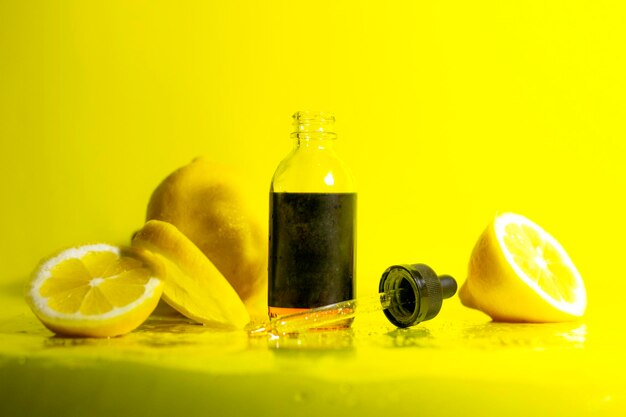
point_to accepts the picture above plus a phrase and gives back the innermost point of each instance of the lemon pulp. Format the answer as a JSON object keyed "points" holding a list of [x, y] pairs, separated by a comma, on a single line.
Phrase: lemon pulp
{"points": [[541, 262], [94, 290]]}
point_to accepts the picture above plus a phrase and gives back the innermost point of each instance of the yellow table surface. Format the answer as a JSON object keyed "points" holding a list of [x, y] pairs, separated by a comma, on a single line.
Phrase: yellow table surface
{"points": [[460, 363]]}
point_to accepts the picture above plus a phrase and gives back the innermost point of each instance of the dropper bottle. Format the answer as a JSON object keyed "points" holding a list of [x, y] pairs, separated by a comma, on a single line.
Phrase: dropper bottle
{"points": [[312, 228], [408, 295]]}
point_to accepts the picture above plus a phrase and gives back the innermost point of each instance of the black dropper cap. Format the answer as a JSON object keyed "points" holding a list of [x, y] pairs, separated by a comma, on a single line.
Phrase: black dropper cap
{"points": [[422, 295]]}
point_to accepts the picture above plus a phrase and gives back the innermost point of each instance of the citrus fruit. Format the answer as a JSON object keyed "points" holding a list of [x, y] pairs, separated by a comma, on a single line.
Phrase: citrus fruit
{"points": [[94, 290], [520, 273], [193, 285], [217, 209]]}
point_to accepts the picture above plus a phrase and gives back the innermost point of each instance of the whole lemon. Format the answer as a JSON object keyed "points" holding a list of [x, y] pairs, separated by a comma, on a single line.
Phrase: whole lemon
{"points": [[212, 205]]}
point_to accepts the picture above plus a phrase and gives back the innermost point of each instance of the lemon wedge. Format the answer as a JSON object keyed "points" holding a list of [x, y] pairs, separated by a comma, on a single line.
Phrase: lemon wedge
{"points": [[193, 285], [94, 290], [518, 272]]}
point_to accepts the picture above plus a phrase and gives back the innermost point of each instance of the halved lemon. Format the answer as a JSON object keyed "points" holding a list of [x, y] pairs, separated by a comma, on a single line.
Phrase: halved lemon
{"points": [[518, 272], [95, 290]]}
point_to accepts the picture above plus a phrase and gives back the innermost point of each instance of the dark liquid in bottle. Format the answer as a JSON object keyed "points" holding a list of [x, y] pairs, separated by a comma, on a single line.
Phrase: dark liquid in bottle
{"points": [[312, 255]]}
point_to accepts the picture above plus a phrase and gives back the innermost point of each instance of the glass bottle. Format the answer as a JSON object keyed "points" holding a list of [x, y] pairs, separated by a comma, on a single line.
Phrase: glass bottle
{"points": [[312, 222]]}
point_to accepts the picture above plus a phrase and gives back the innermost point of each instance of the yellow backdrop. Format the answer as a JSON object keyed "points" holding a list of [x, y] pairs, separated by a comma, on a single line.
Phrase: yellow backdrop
{"points": [[448, 113]]}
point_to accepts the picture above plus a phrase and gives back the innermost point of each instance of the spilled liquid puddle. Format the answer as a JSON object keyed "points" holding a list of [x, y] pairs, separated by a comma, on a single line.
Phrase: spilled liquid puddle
{"points": [[170, 332], [486, 336], [441, 336]]}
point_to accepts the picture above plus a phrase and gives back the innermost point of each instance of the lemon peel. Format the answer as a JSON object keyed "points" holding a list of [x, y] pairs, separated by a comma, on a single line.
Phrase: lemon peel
{"points": [[193, 285]]}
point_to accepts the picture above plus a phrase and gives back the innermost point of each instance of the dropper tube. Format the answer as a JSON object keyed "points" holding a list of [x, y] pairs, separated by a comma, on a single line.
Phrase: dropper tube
{"points": [[409, 295], [325, 316]]}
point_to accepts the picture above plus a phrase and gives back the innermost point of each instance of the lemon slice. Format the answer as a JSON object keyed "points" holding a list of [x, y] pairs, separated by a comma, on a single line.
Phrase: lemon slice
{"points": [[94, 290], [519, 272], [193, 285]]}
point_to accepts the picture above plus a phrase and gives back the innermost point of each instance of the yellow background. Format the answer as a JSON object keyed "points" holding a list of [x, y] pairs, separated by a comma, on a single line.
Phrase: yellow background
{"points": [[448, 112]]}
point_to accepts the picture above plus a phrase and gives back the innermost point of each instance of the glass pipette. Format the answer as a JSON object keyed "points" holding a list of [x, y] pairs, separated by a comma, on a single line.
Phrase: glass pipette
{"points": [[409, 294], [326, 316]]}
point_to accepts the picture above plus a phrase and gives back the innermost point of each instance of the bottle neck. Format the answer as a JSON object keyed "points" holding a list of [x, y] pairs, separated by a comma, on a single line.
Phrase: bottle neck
{"points": [[313, 129]]}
